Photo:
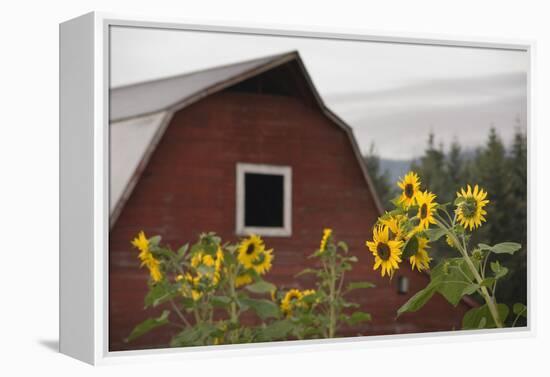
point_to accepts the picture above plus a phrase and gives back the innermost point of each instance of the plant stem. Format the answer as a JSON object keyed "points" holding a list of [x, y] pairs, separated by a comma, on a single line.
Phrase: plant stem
{"points": [[197, 315], [332, 293], [233, 306], [484, 292], [179, 313]]}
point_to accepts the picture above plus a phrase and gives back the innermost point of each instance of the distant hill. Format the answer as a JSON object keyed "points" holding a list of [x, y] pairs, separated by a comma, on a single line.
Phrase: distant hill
{"points": [[396, 168]]}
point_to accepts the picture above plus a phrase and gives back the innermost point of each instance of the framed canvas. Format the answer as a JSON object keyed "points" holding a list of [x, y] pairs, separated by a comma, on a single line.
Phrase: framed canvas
{"points": [[226, 187]]}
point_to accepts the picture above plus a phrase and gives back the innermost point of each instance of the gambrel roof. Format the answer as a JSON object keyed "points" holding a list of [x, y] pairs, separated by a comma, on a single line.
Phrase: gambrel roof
{"points": [[140, 113]]}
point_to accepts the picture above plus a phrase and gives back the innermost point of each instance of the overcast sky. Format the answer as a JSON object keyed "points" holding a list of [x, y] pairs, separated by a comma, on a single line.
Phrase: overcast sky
{"points": [[391, 94]]}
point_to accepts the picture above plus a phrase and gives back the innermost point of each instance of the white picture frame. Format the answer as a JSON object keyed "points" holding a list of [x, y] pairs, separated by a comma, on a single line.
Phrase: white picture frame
{"points": [[84, 187]]}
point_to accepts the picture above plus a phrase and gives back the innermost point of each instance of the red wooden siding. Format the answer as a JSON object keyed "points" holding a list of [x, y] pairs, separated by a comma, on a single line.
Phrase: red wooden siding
{"points": [[189, 187]]}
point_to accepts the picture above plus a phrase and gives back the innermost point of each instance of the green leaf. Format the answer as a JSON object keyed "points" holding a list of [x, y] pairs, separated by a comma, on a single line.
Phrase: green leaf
{"points": [[344, 246], [520, 310], [470, 289], [443, 206], [434, 234], [346, 304], [488, 282], [163, 252], [501, 248], [506, 248], [196, 248], [264, 308], [187, 302], [229, 259], [358, 317], [159, 294], [148, 325], [306, 271], [411, 247], [220, 301], [194, 336], [419, 299], [498, 270], [359, 285], [481, 317], [182, 251], [459, 200], [482, 323], [275, 331], [451, 276], [261, 286], [155, 240], [395, 202]]}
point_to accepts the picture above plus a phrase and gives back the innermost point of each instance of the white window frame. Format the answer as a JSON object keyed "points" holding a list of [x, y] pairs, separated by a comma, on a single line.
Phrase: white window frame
{"points": [[286, 172]]}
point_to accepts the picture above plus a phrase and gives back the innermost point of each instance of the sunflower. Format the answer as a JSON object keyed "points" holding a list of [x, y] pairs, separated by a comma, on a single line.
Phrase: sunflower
{"points": [[154, 269], [219, 259], [191, 288], [410, 184], [387, 253], [470, 212], [200, 258], [243, 279], [214, 262], [147, 259], [263, 263], [290, 300], [395, 225], [142, 244], [252, 254], [426, 209], [327, 232], [249, 250], [421, 259]]}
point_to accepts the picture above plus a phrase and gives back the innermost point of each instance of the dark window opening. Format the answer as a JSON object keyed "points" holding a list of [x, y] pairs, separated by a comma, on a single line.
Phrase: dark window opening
{"points": [[263, 200]]}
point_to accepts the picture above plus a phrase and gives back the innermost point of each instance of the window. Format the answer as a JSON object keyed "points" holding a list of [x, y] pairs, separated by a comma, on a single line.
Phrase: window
{"points": [[264, 201], [402, 285]]}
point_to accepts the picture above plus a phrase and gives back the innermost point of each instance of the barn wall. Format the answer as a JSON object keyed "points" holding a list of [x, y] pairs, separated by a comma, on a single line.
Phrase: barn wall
{"points": [[188, 187]]}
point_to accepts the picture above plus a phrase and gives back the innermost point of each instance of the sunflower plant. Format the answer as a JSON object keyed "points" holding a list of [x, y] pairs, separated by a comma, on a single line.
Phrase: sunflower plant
{"points": [[406, 232], [321, 312], [206, 288]]}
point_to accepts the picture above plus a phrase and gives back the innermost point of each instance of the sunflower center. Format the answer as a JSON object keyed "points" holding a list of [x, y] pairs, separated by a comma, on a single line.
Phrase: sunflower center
{"points": [[409, 190], [469, 207], [383, 251], [424, 211], [250, 249]]}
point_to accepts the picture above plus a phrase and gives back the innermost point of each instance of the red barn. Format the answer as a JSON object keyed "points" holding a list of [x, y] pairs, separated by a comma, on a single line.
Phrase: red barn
{"points": [[248, 147]]}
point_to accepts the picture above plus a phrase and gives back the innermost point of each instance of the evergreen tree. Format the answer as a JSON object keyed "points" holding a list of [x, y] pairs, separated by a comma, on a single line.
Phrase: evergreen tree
{"points": [[381, 179], [431, 168], [455, 167], [515, 288], [490, 171]]}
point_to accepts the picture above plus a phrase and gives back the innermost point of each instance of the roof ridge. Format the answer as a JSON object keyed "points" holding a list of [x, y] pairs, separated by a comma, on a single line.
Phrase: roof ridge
{"points": [[270, 58]]}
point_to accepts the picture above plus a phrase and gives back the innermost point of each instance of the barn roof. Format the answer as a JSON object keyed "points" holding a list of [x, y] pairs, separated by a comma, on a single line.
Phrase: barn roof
{"points": [[157, 95], [139, 114]]}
